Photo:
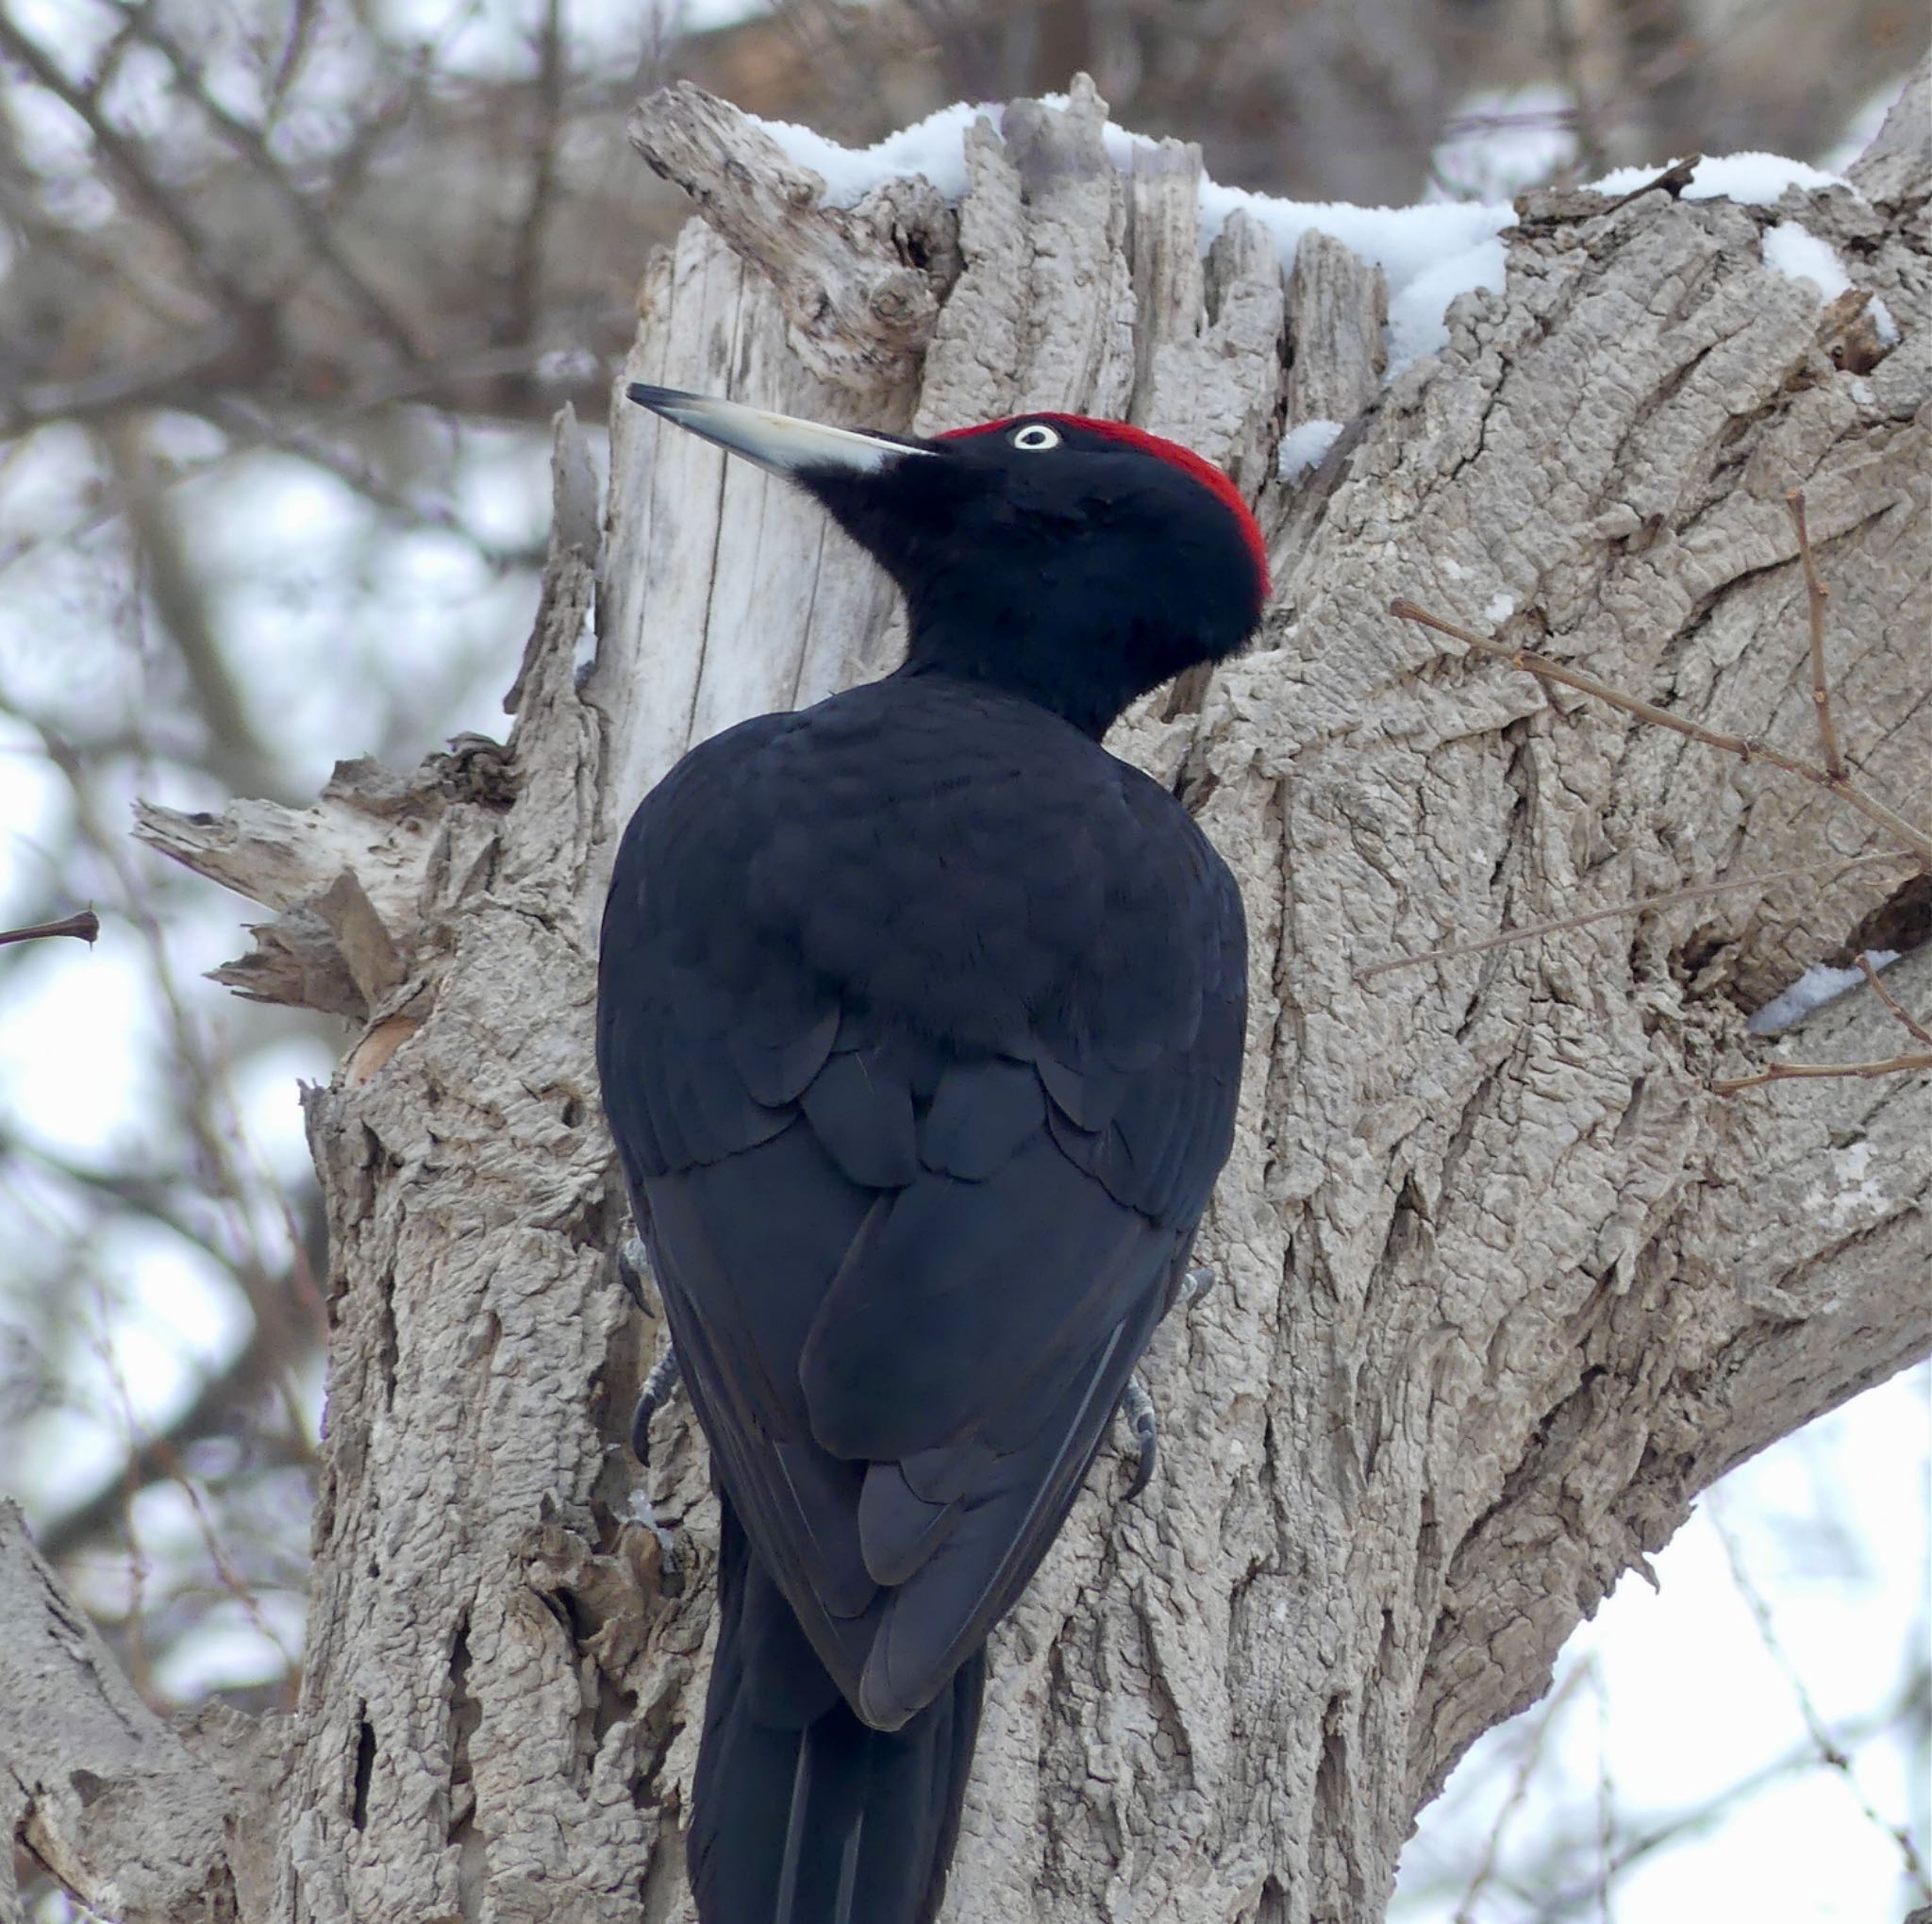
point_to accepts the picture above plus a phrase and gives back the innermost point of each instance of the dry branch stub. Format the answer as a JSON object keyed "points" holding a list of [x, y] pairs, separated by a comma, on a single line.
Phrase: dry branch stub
{"points": [[1504, 1286]]}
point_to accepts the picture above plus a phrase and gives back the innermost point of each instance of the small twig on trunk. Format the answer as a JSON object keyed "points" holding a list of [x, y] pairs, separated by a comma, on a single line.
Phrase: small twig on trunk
{"points": [[1673, 181], [1920, 1031], [1834, 776], [1544, 669], [1815, 592], [1794, 1072], [1529, 931], [86, 925]]}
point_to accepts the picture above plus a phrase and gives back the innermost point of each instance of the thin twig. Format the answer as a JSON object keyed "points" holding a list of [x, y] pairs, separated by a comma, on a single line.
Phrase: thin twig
{"points": [[86, 926], [170, 378], [1529, 931], [1544, 669], [1794, 1072], [1569, 1899], [176, 1472], [1815, 592], [526, 260], [1830, 1751], [1526, 1771], [1606, 1793], [1918, 1029], [303, 215], [1837, 780], [123, 159], [251, 425], [303, 18], [1673, 181]]}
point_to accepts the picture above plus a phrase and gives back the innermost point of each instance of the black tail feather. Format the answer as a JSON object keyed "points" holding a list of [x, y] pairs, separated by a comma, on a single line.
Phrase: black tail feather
{"points": [[805, 1815]]}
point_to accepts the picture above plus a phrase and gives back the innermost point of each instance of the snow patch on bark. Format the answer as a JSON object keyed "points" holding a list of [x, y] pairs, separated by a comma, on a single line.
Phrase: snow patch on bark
{"points": [[1854, 1192], [1751, 179], [1430, 255], [1817, 986], [1306, 448], [1796, 251]]}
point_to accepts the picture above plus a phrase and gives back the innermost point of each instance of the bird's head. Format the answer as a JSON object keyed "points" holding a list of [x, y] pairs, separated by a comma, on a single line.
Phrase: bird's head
{"points": [[1077, 562]]}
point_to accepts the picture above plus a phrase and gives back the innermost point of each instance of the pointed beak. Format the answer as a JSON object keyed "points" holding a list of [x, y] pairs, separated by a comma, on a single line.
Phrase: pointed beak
{"points": [[779, 443]]}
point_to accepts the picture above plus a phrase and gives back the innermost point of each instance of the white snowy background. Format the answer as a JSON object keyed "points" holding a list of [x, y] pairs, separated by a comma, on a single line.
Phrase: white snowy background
{"points": [[1683, 1767]]}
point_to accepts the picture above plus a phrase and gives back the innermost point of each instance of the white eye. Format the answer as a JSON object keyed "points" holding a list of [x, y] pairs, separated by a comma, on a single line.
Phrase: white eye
{"points": [[1034, 436]]}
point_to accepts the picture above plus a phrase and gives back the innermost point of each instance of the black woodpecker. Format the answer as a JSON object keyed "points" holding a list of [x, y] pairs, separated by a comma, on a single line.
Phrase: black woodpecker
{"points": [[919, 1020]]}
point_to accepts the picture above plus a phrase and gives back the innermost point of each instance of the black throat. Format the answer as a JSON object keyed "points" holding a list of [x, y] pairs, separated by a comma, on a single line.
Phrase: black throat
{"points": [[1088, 682]]}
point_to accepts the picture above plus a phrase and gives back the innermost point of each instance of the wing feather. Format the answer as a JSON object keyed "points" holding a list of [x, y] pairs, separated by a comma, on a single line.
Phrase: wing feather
{"points": [[919, 1126]]}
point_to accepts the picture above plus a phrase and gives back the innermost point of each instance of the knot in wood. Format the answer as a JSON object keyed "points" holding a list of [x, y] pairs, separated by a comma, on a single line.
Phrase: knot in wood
{"points": [[896, 298]]}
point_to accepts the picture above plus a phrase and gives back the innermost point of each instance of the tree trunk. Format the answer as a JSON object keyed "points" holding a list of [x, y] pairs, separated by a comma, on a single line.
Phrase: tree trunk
{"points": [[1503, 1283]]}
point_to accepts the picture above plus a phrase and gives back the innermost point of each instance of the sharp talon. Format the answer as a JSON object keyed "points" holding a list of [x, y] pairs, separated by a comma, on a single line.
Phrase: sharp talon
{"points": [[1197, 1282], [660, 1386], [1138, 1408], [633, 1266]]}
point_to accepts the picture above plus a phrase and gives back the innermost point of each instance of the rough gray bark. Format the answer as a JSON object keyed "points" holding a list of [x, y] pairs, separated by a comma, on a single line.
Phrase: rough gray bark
{"points": [[92, 1782], [1504, 1285]]}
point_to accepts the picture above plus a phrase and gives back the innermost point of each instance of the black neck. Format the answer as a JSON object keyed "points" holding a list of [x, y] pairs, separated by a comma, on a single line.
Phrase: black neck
{"points": [[1086, 683]]}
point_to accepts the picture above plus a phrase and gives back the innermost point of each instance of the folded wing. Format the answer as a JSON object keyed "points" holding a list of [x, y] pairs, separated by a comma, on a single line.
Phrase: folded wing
{"points": [[908, 1271]]}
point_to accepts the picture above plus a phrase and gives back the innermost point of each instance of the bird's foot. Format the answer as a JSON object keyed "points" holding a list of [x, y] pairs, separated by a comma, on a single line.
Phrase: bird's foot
{"points": [[1195, 1283], [633, 1266], [1137, 1406], [659, 1388]]}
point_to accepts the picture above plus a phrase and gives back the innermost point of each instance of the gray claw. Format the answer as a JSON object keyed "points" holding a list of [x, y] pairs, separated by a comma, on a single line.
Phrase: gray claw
{"points": [[1195, 1284], [633, 1266], [660, 1387], [1137, 1406]]}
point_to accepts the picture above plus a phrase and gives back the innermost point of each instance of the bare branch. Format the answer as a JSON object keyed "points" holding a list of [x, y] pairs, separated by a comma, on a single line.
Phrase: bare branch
{"points": [[1831, 1753], [526, 260], [1568, 54], [167, 381], [127, 162], [1640, 907], [235, 753], [1528, 1768], [1544, 669], [247, 141], [1793, 1072], [1918, 1029], [86, 925], [1815, 592]]}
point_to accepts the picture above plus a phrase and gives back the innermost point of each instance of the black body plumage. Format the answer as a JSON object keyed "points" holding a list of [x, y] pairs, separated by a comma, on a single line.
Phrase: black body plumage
{"points": [[920, 1026]]}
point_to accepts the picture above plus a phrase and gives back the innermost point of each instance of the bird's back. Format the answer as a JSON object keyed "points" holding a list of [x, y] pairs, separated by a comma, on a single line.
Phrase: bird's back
{"points": [[920, 1026], [944, 861]]}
